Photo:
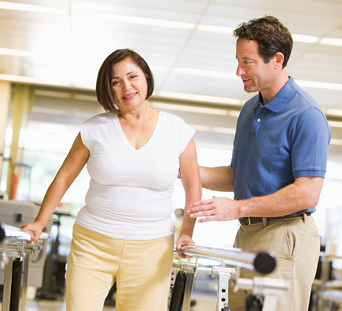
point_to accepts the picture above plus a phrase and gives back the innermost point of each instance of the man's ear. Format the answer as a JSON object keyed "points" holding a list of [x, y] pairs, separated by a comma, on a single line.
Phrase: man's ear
{"points": [[278, 60]]}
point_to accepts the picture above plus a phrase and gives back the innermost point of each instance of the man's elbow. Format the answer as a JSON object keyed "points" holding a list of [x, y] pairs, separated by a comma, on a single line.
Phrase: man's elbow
{"points": [[311, 200]]}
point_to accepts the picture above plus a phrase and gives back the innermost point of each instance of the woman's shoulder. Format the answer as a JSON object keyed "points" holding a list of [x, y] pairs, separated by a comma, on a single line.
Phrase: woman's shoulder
{"points": [[100, 118]]}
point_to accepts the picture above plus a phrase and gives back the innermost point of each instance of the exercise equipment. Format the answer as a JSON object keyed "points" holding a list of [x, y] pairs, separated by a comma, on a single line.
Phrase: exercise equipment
{"points": [[14, 259], [264, 291]]}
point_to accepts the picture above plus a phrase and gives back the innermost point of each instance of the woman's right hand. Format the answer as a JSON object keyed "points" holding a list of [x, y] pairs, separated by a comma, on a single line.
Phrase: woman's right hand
{"points": [[35, 229]]}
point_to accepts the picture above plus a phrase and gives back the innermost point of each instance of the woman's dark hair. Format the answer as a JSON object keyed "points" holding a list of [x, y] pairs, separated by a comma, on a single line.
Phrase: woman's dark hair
{"points": [[103, 83], [270, 34]]}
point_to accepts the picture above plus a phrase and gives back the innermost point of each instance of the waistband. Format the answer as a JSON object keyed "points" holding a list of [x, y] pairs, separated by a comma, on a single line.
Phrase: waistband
{"points": [[254, 220]]}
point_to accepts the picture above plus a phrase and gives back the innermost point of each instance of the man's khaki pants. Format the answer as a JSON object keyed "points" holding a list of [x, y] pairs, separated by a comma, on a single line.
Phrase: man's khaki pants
{"points": [[296, 244]]}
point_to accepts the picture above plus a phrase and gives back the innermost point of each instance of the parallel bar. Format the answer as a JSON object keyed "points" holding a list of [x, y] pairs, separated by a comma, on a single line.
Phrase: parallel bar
{"points": [[262, 262], [10, 234]]}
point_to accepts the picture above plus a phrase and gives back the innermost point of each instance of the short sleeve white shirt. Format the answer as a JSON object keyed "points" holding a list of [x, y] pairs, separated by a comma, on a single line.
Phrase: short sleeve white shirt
{"points": [[130, 190]]}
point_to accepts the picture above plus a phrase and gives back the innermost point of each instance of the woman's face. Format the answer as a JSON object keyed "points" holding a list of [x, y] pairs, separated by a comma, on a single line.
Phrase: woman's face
{"points": [[129, 85]]}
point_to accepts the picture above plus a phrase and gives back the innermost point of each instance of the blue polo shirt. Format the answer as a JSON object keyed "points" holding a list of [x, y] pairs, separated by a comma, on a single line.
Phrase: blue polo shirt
{"points": [[278, 142]]}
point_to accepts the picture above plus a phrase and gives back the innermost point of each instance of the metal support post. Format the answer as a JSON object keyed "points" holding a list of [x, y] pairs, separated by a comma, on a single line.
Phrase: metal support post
{"points": [[188, 291], [7, 284], [222, 290]]}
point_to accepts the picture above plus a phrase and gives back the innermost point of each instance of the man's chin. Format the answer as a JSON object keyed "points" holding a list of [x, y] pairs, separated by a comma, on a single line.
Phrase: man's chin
{"points": [[249, 89]]}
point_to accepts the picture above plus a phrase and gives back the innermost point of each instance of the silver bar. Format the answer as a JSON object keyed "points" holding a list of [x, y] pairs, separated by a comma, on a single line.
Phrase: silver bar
{"points": [[13, 234], [7, 285], [10, 234], [188, 290], [262, 262]]}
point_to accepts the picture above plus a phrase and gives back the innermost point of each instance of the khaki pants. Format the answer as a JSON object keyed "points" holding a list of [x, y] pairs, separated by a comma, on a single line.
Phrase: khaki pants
{"points": [[296, 245], [142, 270]]}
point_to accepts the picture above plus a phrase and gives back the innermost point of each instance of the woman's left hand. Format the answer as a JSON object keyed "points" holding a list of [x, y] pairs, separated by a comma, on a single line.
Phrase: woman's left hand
{"points": [[183, 241]]}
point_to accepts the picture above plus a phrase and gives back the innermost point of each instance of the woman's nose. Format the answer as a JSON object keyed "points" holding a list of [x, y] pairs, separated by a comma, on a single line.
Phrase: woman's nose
{"points": [[126, 84]]}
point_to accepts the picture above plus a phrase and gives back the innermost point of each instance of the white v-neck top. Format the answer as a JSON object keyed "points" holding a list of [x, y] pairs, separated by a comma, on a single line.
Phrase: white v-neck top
{"points": [[130, 190]]}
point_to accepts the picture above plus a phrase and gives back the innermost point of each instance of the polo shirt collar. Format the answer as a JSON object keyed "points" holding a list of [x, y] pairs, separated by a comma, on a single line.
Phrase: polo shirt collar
{"points": [[283, 97]]}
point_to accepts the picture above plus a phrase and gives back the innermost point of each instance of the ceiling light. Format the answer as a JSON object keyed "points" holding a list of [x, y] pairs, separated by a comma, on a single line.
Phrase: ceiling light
{"points": [[136, 20], [201, 98], [31, 8], [335, 123], [304, 38], [217, 29], [205, 73], [335, 141], [223, 130], [13, 52], [332, 111], [320, 85], [188, 108], [331, 41], [213, 129], [201, 128]]}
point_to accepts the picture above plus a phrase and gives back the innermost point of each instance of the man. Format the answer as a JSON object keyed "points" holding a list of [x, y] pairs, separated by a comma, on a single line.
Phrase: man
{"points": [[277, 167]]}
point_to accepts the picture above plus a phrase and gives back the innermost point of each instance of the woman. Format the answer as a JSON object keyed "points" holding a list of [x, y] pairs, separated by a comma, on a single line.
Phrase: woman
{"points": [[124, 233]]}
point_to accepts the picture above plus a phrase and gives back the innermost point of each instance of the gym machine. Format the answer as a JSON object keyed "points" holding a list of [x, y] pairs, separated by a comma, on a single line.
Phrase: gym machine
{"points": [[15, 256], [264, 291]]}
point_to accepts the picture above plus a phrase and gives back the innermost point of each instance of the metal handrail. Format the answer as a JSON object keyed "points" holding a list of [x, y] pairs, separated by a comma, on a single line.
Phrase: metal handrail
{"points": [[263, 262], [10, 234]]}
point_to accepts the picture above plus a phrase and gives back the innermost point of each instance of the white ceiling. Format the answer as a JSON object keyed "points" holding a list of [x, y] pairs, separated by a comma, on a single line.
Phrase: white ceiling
{"points": [[187, 43]]}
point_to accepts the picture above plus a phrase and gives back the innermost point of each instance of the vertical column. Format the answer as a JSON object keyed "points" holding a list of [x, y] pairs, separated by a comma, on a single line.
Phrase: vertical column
{"points": [[23, 99], [5, 91]]}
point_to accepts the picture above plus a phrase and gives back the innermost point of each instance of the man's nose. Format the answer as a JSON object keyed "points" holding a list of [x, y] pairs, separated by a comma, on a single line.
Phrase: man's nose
{"points": [[239, 71]]}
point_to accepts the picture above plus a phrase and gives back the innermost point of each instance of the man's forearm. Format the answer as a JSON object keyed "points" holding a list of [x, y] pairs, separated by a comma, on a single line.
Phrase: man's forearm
{"points": [[302, 194], [217, 178]]}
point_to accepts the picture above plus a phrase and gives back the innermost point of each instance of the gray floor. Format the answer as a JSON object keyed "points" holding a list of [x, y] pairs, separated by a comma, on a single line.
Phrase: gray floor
{"points": [[203, 303]]}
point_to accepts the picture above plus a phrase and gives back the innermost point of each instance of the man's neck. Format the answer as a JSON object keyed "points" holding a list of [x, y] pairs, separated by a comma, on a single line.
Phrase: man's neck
{"points": [[277, 85]]}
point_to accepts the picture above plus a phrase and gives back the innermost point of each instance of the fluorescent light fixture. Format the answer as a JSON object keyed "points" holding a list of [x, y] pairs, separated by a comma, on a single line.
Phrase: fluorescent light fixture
{"points": [[205, 73], [159, 68], [217, 29], [32, 8], [201, 128], [32, 80], [136, 20], [213, 129], [332, 111], [188, 108], [335, 141], [335, 124], [52, 93], [223, 130], [320, 85], [13, 52], [201, 98], [305, 38], [331, 41]]}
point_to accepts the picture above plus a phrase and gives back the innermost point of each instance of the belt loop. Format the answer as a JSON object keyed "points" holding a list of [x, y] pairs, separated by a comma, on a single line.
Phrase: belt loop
{"points": [[249, 221], [264, 221], [304, 217]]}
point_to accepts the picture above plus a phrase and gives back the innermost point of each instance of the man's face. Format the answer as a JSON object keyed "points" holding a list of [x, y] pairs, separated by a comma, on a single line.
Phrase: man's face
{"points": [[256, 75]]}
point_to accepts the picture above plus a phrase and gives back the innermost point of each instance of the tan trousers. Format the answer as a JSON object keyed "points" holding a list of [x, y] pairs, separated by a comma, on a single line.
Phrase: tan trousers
{"points": [[296, 245], [142, 270]]}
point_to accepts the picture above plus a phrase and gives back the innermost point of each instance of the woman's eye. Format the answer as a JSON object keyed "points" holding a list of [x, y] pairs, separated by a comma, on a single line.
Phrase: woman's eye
{"points": [[114, 83], [133, 76]]}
